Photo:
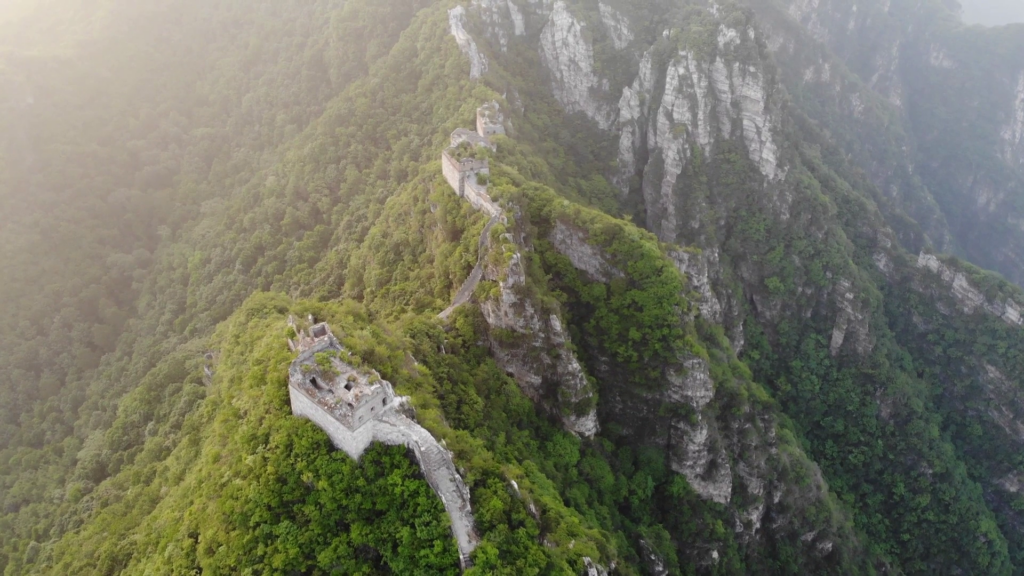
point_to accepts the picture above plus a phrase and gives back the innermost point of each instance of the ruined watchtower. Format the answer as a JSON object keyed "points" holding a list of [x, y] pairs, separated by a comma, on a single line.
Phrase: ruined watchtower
{"points": [[489, 120], [466, 174], [348, 395], [356, 408]]}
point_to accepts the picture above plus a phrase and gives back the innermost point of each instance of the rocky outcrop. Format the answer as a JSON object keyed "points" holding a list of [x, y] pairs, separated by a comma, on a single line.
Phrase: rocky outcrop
{"points": [[569, 58], [696, 266], [654, 563], [590, 568], [852, 319], [457, 27], [1006, 402], [617, 26], [572, 243], [502, 19], [532, 345], [967, 298], [695, 450]]}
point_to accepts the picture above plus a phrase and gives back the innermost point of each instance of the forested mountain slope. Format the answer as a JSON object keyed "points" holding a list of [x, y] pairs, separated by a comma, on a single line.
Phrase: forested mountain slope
{"points": [[721, 243]]}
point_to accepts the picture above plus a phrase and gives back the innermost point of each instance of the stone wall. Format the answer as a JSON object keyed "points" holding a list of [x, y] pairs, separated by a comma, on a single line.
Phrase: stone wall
{"points": [[370, 407], [353, 443], [395, 429], [450, 169], [477, 196]]}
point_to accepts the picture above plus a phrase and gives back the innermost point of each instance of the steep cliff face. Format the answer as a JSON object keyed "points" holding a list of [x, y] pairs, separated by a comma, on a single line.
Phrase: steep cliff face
{"points": [[529, 341], [784, 147], [686, 104], [457, 26], [948, 283], [569, 57]]}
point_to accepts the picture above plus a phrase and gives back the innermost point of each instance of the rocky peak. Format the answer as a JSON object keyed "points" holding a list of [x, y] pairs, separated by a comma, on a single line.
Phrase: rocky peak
{"points": [[688, 102], [617, 25]]}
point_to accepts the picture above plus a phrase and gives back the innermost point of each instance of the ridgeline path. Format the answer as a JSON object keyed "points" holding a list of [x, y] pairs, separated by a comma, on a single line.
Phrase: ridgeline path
{"points": [[469, 286]]}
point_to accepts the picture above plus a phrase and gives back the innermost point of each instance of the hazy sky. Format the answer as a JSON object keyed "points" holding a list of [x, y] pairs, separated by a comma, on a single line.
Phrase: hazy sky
{"points": [[993, 12]]}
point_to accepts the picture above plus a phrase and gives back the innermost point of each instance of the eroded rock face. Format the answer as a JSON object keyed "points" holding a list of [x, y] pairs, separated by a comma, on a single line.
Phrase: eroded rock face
{"points": [[569, 58], [457, 27], [702, 99], [696, 267], [593, 569], [695, 449], [852, 320], [967, 297], [534, 348], [502, 19], [617, 25], [1007, 402], [655, 564]]}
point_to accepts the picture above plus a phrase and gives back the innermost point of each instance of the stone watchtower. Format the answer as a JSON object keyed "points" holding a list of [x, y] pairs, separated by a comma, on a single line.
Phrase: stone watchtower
{"points": [[349, 396], [356, 408], [489, 120], [468, 176]]}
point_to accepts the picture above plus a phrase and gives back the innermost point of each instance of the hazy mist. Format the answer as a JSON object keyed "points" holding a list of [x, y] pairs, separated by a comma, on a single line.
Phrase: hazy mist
{"points": [[993, 12]]}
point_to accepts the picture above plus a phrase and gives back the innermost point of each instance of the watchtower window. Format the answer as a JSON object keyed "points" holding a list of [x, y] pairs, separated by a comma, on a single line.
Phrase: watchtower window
{"points": [[314, 382], [348, 386], [351, 406], [384, 402]]}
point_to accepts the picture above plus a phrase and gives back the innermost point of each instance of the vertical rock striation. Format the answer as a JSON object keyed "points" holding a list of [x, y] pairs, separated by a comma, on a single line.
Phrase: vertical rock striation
{"points": [[685, 105], [617, 26], [569, 58]]}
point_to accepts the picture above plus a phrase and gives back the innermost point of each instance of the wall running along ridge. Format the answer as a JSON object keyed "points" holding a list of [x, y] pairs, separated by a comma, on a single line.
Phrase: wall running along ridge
{"points": [[391, 427]]}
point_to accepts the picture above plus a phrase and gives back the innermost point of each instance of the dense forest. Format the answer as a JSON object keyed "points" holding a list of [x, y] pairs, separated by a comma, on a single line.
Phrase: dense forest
{"points": [[750, 241]]}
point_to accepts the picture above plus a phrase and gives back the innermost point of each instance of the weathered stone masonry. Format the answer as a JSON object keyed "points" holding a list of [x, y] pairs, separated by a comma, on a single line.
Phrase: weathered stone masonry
{"points": [[465, 175], [357, 408]]}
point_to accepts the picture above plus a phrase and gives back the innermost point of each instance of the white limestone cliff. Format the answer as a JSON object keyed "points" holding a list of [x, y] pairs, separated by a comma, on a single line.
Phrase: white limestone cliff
{"points": [[694, 449], [534, 348], [569, 58], [502, 20], [703, 99], [697, 268], [457, 27], [852, 321], [617, 26], [572, 243]]}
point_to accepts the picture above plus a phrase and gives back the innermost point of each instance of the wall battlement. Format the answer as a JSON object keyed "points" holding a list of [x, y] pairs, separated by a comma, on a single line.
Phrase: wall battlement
{"points": [[356, 408], [468, 176]]}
